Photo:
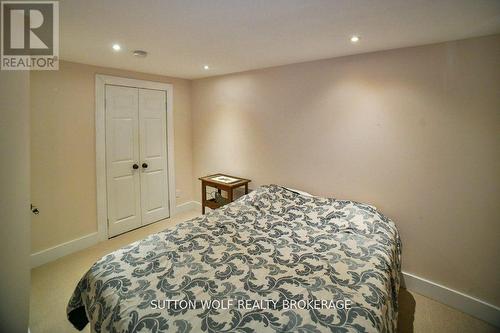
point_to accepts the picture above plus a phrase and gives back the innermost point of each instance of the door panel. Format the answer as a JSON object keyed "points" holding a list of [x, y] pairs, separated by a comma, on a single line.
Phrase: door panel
{"points": [[156, 194], [152, 131], [153, 151], [125, 197], [123, 133], [122, 151]]}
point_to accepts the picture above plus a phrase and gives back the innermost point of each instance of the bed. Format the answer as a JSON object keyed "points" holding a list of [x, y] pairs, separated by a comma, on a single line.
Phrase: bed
{"points": [[273, 245]]}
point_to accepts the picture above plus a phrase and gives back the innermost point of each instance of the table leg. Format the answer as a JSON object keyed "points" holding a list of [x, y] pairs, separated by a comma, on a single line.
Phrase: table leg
{"points": [[246, 188], [203, 197], [230, 195]]}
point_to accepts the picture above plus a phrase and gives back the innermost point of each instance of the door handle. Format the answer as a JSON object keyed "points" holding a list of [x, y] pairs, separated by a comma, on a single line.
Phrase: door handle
{"points": [[135, 166], [34, 210], [144, 165]]}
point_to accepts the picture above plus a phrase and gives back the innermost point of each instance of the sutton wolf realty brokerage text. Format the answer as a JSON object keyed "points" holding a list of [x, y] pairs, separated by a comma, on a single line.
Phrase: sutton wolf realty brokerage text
{"points": [[247, 304]]}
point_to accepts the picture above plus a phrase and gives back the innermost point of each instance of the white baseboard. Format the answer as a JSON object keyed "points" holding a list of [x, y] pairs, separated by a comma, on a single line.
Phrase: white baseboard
{"points": [[453, 298], [187, 206], [61, 250]]}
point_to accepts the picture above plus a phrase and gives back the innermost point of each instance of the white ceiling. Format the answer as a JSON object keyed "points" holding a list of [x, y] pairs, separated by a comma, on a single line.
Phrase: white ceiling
{"points": [[237, 35]]}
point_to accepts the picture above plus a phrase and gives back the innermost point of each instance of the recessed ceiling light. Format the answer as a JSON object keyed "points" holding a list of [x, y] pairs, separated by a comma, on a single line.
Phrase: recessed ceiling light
{"points": [[206, 67], [117, 47], [354, 39]]}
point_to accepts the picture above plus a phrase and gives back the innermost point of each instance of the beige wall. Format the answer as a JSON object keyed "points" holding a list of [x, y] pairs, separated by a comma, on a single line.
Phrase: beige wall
{"points": [[63, 149], [415, 131], [14, 201]]}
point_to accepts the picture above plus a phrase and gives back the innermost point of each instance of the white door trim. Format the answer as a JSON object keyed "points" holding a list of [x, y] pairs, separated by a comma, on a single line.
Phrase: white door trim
{"points": [[100, 142]]}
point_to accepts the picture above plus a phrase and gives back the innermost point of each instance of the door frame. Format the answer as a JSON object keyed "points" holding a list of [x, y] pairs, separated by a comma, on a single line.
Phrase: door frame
{"points": [[100, 142]]}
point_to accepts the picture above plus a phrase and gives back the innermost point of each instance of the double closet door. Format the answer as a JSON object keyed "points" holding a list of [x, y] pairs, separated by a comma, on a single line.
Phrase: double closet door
{"points": [[136, 157]]}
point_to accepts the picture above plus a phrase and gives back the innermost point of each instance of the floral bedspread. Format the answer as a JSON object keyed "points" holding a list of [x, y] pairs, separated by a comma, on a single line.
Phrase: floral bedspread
{"points": [[276, 260]]}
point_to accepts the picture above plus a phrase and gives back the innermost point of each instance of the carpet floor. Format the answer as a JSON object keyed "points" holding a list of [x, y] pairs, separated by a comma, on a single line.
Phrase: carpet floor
{"points": [[52, 285]]}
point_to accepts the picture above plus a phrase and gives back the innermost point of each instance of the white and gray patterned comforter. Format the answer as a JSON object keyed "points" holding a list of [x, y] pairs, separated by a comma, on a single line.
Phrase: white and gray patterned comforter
{"points": [[272, 244]]}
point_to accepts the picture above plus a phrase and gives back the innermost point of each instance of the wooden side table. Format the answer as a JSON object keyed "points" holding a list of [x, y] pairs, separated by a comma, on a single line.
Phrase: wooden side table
{"points": [[220, 186]]}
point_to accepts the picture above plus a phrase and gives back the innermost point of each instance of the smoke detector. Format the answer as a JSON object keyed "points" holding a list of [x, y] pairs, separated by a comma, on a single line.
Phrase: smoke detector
{"points": [[139, 53]]}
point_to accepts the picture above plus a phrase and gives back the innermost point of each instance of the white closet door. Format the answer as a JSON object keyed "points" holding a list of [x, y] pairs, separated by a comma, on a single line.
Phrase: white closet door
{"points": [[122, 152], [153, 150]]}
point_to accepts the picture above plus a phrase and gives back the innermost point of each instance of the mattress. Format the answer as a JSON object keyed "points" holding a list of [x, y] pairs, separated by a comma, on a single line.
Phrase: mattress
{"points": [[272, 261]]}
